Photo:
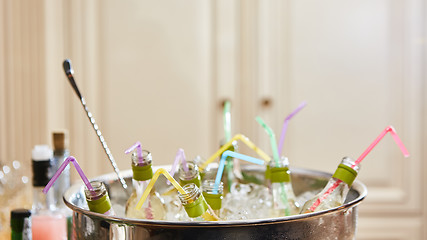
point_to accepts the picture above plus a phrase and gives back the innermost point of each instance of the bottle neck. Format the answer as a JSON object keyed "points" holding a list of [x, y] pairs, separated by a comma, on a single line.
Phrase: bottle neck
{"points": [[278, 171], [190, 176], [61, 153], [193, 201], [98, 199], [141, 166]]}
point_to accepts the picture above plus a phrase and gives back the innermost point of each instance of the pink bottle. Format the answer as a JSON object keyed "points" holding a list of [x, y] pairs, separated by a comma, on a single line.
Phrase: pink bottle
{"points": [[47, 222]]}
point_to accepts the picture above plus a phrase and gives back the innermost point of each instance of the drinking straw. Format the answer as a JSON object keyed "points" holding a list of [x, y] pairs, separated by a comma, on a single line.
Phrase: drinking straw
{"points": [[61, 168], [137, 145], [285, 125], [153, 181], [226, 154], [373, 144], [224, 147], [235, 165], [227, 121], [273, 142], [180, 155]]}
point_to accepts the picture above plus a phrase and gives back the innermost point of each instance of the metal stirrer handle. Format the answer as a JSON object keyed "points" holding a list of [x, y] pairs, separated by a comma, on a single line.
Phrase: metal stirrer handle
{"points": [[69, 73]]}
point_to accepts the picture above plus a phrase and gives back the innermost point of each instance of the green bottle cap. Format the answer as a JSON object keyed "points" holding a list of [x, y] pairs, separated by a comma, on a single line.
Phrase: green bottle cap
{"points": [[197, 180], [280, 174], [196, 208], [345, 174], [100, 205], [142, 173], [214, 200]]}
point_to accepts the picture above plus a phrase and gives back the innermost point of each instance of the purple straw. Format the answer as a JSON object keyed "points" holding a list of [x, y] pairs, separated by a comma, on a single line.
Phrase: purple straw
{"points": [[180, 155], [285, 125], [62, 167], [137, 145]]}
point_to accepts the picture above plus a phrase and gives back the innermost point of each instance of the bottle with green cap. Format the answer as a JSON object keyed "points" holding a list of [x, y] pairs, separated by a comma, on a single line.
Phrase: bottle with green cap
{"points": [[340, 183], [153, 207], [20, 224], [284, 200], [190, 176], [195, 204], [47, 222], [213, 199], [98, 200]]}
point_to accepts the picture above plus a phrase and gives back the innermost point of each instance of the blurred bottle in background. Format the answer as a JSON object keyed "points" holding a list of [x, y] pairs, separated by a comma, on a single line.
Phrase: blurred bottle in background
{"points": [[60, 153], [20, 224], [47, 222]]}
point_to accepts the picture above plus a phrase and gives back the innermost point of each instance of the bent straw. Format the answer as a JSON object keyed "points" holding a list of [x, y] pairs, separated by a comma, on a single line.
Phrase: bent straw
{"points": [[224, 147], [61, 168], [373, 144], [273, 142], [153, 181], [285, 125], [137, 145], [180, 155], [226, 154]]}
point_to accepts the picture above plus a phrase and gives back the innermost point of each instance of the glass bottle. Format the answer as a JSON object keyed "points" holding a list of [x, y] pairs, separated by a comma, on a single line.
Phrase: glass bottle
{"points": [[284, 200], [47, 222], [153, 207], [191, 176], [195, 204], [98, 201], [60, 153], [214, 200], [339, 184], [20, 224]]}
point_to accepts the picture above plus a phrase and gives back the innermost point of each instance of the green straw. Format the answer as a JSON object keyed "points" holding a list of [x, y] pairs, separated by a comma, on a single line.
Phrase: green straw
{"points": [[273, 142], [227, 121]]}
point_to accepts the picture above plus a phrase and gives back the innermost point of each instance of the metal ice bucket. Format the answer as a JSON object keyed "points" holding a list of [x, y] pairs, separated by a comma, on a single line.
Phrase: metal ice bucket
{"points": [[337, 223]]}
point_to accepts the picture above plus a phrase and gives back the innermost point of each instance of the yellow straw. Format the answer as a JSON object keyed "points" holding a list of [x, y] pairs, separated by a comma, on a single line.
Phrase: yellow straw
{"points": [[153, 181], [242, 138]]}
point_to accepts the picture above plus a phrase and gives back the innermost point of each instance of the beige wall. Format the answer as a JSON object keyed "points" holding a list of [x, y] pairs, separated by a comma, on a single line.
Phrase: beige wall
{"points": [[158, 72]]}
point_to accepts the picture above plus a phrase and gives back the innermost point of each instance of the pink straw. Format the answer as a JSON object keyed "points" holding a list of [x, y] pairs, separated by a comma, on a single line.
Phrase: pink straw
{"points": [[62, 167], [285, 125], [373, 144], [180, 155], [137, 145]]}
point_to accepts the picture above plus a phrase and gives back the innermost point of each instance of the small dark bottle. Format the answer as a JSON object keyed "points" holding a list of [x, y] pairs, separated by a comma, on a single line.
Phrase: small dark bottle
{"points": [[20, 224]]}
